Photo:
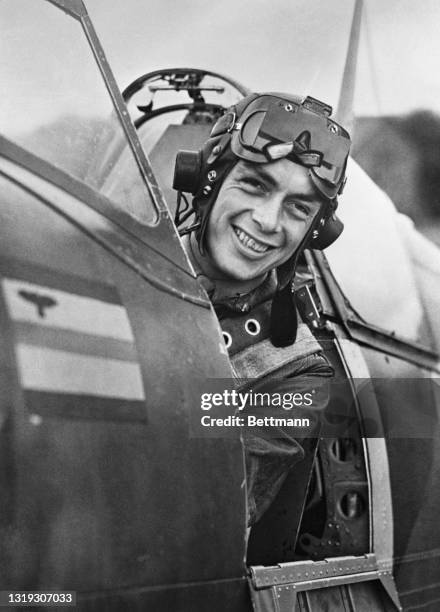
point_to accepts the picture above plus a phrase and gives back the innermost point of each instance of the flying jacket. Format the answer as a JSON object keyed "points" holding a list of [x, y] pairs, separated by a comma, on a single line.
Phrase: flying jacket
{"points": [[272, 450]]}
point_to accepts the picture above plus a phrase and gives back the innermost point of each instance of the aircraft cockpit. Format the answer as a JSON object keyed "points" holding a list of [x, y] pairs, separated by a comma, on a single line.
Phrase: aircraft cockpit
{"points": [[176, 108]]}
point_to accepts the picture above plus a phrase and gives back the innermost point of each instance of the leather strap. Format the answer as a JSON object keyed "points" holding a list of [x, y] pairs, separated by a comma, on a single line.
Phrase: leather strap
{"points": [[263, 358]]}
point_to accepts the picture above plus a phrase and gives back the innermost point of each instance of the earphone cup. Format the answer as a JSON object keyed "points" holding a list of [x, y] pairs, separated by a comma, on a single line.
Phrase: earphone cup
{"points": [[187, 171], [328, 233]]}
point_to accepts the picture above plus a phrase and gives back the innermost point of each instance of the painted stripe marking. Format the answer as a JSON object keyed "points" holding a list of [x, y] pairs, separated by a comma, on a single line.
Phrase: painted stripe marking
{"points": [[73, 342], [65, 405], [43, 369], [68, 311]]}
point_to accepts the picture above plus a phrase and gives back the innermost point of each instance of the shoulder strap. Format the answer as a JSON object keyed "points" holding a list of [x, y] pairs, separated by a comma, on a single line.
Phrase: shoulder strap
{"points": [[263, 358]]}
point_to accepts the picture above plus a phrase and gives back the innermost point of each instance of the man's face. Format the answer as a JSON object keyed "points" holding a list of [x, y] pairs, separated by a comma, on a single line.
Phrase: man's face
{"points": [[261, 214]]}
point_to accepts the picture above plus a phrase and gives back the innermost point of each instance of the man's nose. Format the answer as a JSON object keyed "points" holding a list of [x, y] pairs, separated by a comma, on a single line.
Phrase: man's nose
{"points": [[267, 214]]}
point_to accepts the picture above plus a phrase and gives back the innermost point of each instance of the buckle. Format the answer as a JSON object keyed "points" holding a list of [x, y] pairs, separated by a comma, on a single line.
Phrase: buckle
{"points": [[224, 125]]}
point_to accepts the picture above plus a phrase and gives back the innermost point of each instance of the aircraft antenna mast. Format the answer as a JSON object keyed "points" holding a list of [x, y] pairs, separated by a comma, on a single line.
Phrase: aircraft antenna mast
{"points": [[344, 109]]}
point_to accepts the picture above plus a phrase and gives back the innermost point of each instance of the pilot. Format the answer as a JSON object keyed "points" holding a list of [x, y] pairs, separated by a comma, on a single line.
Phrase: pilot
{"points": [[265, 187]]}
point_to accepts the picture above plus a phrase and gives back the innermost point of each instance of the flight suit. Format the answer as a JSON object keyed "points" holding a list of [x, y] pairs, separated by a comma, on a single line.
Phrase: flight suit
{"points": [[272, 451]]}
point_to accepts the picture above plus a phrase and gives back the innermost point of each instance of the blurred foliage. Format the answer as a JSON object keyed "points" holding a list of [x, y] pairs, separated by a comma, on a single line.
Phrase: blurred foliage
{"points": [[402, 155]]}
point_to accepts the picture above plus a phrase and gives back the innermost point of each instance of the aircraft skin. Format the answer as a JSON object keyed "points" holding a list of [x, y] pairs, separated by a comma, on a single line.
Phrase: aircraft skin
{"points": [[107, 343]]}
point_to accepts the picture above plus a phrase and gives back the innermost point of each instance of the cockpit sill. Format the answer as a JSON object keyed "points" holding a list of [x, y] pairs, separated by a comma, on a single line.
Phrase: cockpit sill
{"points": [[138, 245]]}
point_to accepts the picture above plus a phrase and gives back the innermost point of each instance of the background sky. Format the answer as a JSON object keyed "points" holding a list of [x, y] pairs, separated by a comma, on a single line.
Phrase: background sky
{"points": [[296, 45]]}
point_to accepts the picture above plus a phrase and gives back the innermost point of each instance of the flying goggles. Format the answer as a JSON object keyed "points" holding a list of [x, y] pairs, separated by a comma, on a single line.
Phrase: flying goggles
{"points": [[272, 128]]}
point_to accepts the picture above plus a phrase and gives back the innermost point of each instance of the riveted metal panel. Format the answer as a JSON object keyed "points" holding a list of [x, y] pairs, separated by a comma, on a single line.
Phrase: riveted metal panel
{"points": [[101, 501]]}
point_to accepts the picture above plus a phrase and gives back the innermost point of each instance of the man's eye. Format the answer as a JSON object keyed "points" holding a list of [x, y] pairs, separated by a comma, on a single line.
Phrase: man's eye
{"points": [[300, 209], [254, 184]]}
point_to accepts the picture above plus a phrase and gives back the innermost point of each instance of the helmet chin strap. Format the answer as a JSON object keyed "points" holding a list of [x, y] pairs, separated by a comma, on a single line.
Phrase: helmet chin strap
{"points": [[209, 203], [283, 314], [283, 318], [286, 271]]}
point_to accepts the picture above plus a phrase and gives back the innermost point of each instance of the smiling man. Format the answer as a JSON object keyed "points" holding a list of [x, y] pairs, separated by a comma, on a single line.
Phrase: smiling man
{"points": [[259, 219], [265, 187]]}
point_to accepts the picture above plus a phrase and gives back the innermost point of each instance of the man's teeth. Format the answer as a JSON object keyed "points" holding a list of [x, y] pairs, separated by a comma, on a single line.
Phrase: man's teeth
{"points": [[250, 242]]}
